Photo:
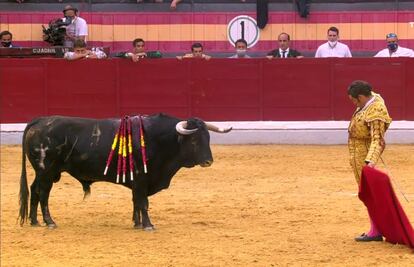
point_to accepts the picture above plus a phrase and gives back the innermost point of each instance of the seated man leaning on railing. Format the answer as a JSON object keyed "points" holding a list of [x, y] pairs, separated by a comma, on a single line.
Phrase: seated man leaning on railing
{"points": [[139, 51], [80, 51], [196, 52]]}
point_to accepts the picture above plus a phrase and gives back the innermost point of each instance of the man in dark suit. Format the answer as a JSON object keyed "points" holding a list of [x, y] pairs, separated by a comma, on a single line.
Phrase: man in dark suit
{"points": [[284, 51]]}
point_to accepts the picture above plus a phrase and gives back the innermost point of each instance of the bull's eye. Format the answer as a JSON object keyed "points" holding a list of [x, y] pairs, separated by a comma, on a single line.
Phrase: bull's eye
{"points": [[194, 144]]}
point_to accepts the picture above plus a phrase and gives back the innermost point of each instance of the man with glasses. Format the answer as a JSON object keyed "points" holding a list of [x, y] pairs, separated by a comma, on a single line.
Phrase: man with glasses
{"points": [[333, 48], [284, 50], [393, 49]]}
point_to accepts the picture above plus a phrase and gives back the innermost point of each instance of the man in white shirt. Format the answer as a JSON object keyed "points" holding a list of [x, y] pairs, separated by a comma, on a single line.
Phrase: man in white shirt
{"points": [[77, 29], [333, 48], [393, 49]]}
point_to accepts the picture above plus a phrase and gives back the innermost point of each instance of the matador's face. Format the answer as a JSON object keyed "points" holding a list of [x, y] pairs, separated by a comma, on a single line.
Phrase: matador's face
{"points": [[360, 101], [356, 101]]}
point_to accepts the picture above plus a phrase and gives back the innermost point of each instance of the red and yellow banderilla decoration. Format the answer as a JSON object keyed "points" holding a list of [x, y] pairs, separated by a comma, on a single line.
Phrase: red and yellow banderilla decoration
{"points": [[124, 149], [114, 143], [120, 147], [123, 140], [143, 150], [131, 163]]}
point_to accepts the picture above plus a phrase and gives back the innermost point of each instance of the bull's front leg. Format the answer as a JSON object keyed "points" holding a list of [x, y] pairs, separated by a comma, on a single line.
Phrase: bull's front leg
{"points": [[146, 222], [141, 206], [136, 218], [136, 214]]}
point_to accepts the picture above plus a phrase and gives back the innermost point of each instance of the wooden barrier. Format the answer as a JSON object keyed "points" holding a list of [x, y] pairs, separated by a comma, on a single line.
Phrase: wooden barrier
{"points": [[218, 89]]}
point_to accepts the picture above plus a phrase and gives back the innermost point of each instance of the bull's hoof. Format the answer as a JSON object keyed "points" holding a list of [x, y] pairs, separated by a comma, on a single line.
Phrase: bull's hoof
{"points": [[35, 224], [149, 228], [52, 226], [138, 226]]}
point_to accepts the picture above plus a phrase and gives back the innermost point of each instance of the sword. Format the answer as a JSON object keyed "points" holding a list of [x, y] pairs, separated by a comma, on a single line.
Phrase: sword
{"points": [[393, 179]]}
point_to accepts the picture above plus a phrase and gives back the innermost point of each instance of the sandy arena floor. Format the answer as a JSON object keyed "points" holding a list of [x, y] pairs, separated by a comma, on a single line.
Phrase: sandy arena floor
{"points": [[256, 206]]}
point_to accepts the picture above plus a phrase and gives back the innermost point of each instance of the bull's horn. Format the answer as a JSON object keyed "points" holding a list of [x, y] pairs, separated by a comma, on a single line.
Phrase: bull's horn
{"points": [[181, 128], [216, 129]]}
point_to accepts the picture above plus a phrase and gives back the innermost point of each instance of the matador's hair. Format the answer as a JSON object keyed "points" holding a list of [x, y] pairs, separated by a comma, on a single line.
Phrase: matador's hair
{"points": [[359, 87]]}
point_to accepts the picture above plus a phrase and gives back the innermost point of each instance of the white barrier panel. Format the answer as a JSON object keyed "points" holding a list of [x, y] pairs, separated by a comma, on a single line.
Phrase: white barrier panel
{"points": [[270, 132]]}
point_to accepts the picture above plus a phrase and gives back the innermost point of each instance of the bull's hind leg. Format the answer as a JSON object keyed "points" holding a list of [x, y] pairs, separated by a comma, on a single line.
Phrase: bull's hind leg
{"points": [[34, 202], [45, 186], [46, 161]]}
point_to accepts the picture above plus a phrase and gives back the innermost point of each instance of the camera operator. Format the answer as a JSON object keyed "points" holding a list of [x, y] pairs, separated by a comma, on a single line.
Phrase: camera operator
{"points": [[76, 28]]}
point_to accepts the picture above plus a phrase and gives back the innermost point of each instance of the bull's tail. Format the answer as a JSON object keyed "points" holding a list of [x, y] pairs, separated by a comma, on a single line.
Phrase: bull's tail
{"points": [[24, 189]]}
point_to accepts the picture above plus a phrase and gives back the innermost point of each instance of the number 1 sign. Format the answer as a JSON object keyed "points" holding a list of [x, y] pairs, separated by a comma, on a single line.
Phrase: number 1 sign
{"points": [[243, 27]]}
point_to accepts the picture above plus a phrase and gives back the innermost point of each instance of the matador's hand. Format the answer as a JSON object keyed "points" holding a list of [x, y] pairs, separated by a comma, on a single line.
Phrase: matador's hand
{"points": [[371, 164]]}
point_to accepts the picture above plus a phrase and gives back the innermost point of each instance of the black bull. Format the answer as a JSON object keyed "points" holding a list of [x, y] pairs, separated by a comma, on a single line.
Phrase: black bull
{"points": [[81, 146]]}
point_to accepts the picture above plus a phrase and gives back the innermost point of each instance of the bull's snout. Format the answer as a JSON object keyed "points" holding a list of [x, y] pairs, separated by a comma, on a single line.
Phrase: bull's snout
{"points": [[207, 163]]}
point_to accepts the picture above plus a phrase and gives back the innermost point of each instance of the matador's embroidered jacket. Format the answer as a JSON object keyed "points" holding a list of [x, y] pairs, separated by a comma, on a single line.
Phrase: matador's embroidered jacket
{"points": [[366, 134]]}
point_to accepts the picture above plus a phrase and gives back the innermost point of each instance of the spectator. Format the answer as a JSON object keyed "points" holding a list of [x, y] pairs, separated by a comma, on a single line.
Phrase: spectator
{"points": [[77, 29], [138, 50], [196, 52], [393, 49], [173, 5], [241, 49], [156, 1], [6, 39], [333, 48], [284, 50], [80, 51]]}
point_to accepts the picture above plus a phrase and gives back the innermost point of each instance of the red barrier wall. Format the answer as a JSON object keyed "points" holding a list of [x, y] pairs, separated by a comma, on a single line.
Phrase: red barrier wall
{"points": [[219, 89]]}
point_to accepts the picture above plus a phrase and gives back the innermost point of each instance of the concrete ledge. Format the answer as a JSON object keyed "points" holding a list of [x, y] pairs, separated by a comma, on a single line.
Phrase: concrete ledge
{"points": [[270, 132], [303, 132]]}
